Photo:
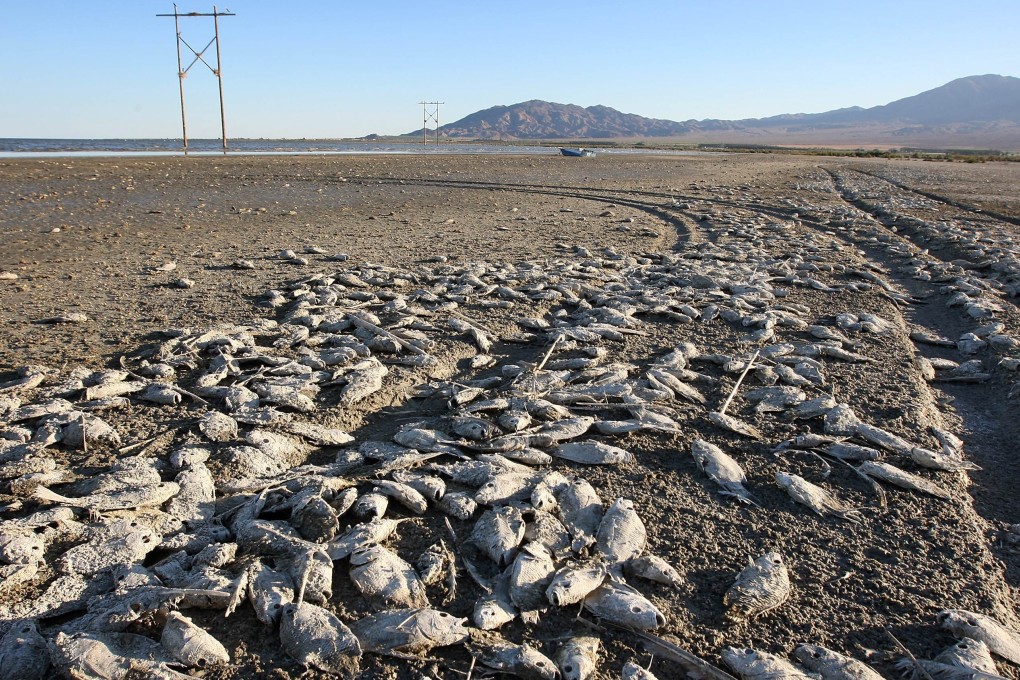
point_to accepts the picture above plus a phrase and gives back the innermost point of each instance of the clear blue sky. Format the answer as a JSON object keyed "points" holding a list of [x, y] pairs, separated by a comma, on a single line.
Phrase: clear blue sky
{"points": [[345, 68]]}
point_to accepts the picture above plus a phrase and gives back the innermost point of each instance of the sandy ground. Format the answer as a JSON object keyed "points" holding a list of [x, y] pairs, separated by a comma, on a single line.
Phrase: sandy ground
{"points": [[87, 235]]}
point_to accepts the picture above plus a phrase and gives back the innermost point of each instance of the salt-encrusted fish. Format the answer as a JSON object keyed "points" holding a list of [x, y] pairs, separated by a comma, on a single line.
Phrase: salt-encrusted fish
{"points": [[574, 582], [495, 609], [23, 652], [593, 453], [409, 632], [1001, 640], [655, 569], [883, 438], [507, 487], [901, 478], [131, 544], [190, 644], [269, 591], [632, 671], [581, 510], [621, 535], [499, 532], [621, 604], [361, 535], [578, 657], [832, 665], [939, 460], [721, 469], [316, 638], [544, 528], [815, 497], [969, 653], [750, 664], [728, 422], [530, 575], [523, 661], [761, 586], [386, 579]]}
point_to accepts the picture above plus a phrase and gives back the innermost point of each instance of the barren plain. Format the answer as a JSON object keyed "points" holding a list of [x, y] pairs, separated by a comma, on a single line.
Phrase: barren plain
{"points": [[808, 242]]}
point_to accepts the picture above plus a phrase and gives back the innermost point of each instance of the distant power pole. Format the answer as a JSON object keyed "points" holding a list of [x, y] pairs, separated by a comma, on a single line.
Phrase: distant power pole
{"points": [[183, 72], [430, 111]]}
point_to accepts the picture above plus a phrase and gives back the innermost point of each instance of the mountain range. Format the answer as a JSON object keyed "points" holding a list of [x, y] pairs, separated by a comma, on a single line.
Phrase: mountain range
{"points": [[972, 112]]}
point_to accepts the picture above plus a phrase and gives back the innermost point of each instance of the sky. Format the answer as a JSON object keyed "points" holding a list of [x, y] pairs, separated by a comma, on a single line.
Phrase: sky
{"points": [[348, 68]]}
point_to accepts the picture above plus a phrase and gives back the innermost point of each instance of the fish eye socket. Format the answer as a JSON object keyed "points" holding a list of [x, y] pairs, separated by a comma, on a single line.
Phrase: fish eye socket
{"points": [[636, 609], [568, 669], [26, 629], [749, 652]]}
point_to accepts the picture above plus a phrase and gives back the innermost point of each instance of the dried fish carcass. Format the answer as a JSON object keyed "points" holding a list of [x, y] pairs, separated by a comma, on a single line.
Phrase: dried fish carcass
{"points": [[621, 535], [901, 478], [1001, 640], [578, 657], [530, 574], [751, 664], [832, 665], [523, 661], [593, 453], [574, 582], [632, 671], [401, 632], [191, 645], [125, 541], [23, 653], [654, 568], [499, 532], [386, 579], [721, 469], [269, 591], [761, 586], [970, 654], [581, 511], [621, 604], [316, 638], [815, 497]]}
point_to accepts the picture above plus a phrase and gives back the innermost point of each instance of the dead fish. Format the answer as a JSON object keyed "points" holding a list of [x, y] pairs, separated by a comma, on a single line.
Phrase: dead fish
{"points": [[316, 638], [728, 422], [971, 654], [883, 439], [632, 671], [507, 487], [1001, 641], [98, 554], [471, 427], [593, 453], [495, 609], [848, 451], [581, 510], [568, 428], [458, 504], [761, 586], [523, 661], [833, 665], [386, 579], [431, 565], [23, 653], [367, 533], [655, 569], [544, 528], [269, 591], [409, 632], [404, 494], [944, 671], [371, 505], [499, 532], [621, 535], [815, 497], [572, 583], [621, 604], [721, 469], [530, 575], [218, 427], [578, 657], [112, 656], [901, 478], [750, 664], [191, 645], [938, 460]]}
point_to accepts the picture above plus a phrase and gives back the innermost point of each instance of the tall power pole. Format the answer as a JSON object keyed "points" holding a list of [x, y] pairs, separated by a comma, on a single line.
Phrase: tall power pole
{"points": [[430, 111], [183, 72]]}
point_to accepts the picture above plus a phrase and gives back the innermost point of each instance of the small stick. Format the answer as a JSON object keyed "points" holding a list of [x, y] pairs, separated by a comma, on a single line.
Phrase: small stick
{"points": [[913, 659], [549, 353], [739, 380], [472, 322]]}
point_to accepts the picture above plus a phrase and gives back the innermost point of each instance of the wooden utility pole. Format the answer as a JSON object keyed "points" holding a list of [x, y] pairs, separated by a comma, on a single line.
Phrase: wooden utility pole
{"points": [[183, 72]]}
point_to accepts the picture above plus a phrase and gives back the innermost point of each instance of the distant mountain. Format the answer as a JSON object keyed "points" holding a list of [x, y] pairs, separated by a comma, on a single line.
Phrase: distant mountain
{"points": [[977, 111]]}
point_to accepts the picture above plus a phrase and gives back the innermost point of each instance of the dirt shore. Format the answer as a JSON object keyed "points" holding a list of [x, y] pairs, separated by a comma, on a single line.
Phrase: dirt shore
{"points": [[98, 236]]}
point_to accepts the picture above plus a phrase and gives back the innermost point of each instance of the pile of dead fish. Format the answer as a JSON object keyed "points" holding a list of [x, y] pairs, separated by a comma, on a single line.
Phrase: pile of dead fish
{"points": [[245, 508]]}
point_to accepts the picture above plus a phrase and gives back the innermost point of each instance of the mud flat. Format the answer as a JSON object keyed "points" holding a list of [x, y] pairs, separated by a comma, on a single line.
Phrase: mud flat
{"points": [[785, 249]]}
